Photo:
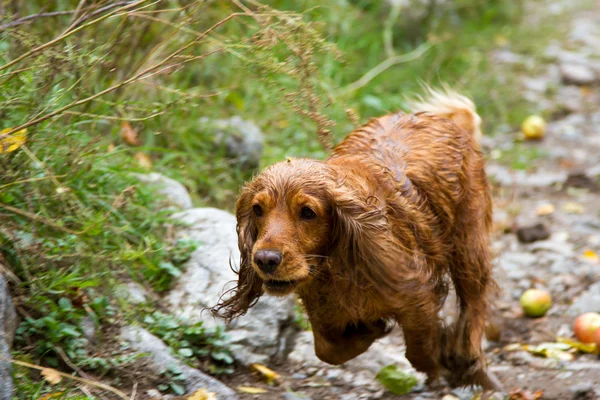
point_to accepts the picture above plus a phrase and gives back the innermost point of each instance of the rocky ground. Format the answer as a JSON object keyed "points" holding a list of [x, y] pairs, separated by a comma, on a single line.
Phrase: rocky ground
{"points": [[553, 182]]}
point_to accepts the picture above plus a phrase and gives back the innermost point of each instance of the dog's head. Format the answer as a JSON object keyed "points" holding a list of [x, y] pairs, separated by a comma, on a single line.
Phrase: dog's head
{"points": [[292, 219], [285, 223]]}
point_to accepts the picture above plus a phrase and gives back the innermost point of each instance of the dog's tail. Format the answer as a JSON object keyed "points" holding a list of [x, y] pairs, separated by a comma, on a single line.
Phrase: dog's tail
{"points": [[452, 105]]}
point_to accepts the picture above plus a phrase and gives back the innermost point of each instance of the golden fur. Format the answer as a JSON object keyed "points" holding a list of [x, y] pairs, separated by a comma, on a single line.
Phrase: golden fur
{"points": [[400, 207]]}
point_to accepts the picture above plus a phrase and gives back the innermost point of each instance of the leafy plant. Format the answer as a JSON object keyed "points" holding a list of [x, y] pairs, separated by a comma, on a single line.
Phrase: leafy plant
{"points": [[395, 380], [192, 342]]}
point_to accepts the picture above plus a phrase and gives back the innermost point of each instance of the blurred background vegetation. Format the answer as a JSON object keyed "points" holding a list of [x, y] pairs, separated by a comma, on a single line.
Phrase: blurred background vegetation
{"points": [[106, 89]]}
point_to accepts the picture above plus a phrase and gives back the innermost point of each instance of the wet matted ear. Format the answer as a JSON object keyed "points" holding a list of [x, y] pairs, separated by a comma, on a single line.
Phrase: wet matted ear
{"points": [[249, 285], [366, 248]]}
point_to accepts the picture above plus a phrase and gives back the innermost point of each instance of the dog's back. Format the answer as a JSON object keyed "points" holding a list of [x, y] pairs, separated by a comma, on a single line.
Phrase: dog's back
{"points": [[428, 168]]}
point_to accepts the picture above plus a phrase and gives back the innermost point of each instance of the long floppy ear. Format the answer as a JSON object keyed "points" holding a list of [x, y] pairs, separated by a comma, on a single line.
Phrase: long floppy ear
{"points": [[249, 285], [369, 252]]}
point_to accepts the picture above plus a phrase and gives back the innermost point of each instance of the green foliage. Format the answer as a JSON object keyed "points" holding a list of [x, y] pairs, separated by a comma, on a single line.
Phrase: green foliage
{"points": [[396, 380], [192, 342], [300, 318]]}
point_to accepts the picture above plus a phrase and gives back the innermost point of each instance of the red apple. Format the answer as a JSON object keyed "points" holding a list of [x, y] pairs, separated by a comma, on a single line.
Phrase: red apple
{"points": [[597, 338], [586, 325], [536, 302]]}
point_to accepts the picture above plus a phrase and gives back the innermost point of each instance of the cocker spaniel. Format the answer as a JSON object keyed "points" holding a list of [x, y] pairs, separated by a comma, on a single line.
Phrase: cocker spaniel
{"points": [[372, 235]]}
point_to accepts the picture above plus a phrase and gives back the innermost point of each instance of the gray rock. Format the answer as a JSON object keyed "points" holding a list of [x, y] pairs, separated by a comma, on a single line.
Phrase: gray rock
{"points": [[243, 140], [517, 265], [465, 393], [360, 371], [132, 292], [588, 301], [510, 58], [257, 336], [88, 327], [506, 177], [160, 359], [8, 325], [583, 391], [570, 98], [295, 396], [578, 74], [585, 31], [174, 192]]}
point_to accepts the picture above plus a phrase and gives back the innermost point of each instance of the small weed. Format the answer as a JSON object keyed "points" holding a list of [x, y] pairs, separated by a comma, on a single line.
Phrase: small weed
{"points": [[192, 342]]}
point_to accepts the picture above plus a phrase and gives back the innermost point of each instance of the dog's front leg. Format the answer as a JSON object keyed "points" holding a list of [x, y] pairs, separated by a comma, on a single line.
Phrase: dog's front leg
{"points": [[338, 345]]}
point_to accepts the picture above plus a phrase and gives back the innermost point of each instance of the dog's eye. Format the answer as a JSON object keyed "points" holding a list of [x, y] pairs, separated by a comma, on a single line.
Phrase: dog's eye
{"points": [[307, 213], [257, 210]]}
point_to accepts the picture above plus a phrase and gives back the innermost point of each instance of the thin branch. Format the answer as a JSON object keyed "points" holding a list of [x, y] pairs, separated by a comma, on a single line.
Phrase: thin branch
{"points": [[141, 75], [30, 18], [68, 361], [37, 218], [112, 118], [66, 35], [90, 382], [381, 67], [388, 40]]}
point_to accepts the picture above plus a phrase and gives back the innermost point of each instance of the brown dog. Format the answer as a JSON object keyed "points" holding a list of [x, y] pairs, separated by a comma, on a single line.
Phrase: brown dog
{"points": [[370, 236]]}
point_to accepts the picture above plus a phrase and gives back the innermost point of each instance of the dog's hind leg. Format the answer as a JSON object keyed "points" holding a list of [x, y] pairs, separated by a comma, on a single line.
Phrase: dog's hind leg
{"points": [[461, 352]]}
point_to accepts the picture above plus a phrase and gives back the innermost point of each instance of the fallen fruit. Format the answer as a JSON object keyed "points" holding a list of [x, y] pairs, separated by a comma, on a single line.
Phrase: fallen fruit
{"points": [[586, 325], [534, 127], [536, 302], [597, 338]]}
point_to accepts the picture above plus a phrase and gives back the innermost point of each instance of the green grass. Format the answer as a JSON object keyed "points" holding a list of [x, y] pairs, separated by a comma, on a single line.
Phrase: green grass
{"points": [[75, 221]]}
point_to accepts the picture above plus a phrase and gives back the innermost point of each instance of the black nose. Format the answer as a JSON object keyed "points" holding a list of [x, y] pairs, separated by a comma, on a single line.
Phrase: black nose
{"points": [[267, 260]]}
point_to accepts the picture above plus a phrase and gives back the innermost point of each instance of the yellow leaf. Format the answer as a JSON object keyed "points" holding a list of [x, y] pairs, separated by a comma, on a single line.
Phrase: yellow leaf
{"points": [[12, 142], [143, 160], [573, 208], [590, 255], [545, 209], [51, 395], [583, 347], [551, 350], [128, 134], [202, 394], [268, 373], [51, 376], [500, 40], [251, 390]]}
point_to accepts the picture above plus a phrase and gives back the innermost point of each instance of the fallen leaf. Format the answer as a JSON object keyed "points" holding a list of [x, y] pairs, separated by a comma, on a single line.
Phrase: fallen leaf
{"points": [[586, 90], [202, 394], [500, 40], [51, 376], [143, 160], [573, 208], [583, 347], [395, 380], [518, 394], [128, 134], [513, 347], [557, 351], [251, 390], [590, 255], [268, 373], [12, 142], [51, 395], [545, 209]]}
